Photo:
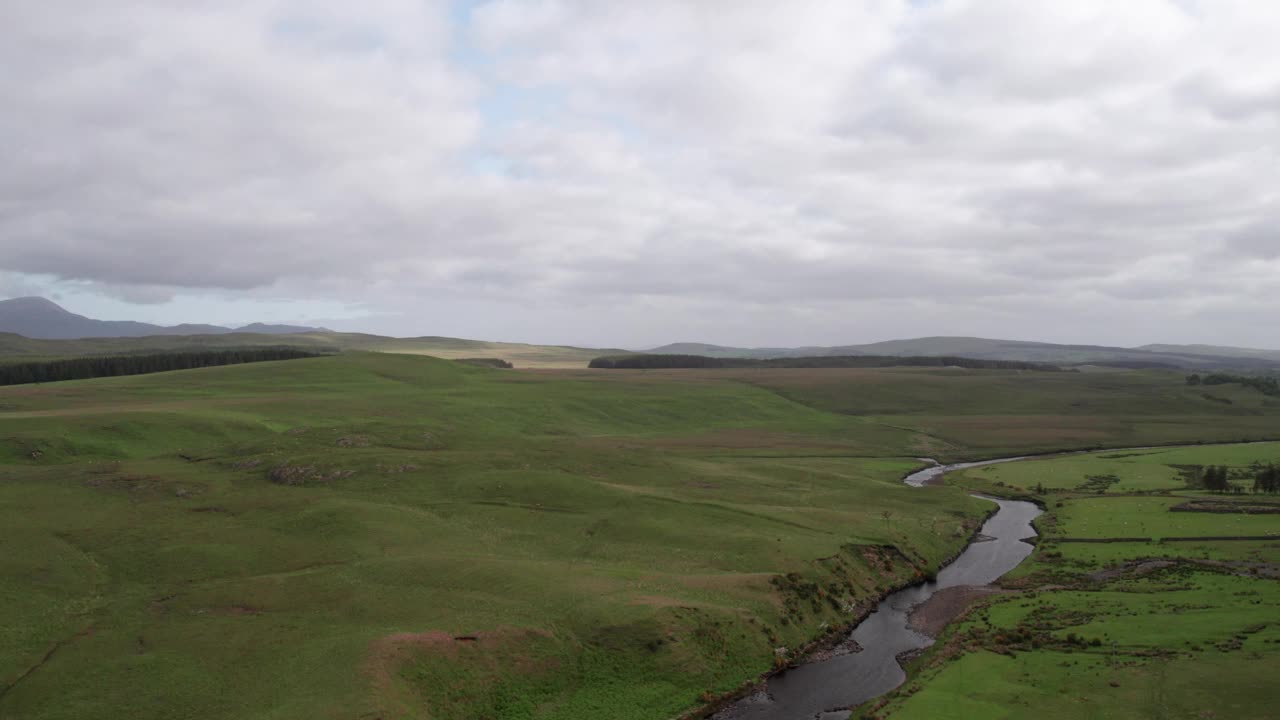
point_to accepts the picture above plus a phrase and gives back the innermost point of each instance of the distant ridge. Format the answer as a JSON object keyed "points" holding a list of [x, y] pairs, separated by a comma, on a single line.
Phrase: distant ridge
{"points": [[43, 319], [1151, 356], [1214, 350], [37, 326]]}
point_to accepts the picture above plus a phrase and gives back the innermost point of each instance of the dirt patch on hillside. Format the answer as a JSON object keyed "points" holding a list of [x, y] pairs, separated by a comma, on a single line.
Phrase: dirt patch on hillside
{"points": [[488, 652], [931, 616], [387, 655], [298, 475], [659, 601], [1023, 431], [397, 469], [725, 439], [235, 611], [1139, 567], [747, 586]]}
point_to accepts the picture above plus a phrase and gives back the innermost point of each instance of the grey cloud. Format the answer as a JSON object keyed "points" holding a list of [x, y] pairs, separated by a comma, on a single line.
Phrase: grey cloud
{"points": [[1260, 238], [1229, 102], [995, 160]]}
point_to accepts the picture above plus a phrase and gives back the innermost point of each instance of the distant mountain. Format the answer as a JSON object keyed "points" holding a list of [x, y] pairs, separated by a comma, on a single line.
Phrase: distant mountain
{"points": [[1204, 357], [276, 329], [37, 317], [1214, 350], [691, 348]]}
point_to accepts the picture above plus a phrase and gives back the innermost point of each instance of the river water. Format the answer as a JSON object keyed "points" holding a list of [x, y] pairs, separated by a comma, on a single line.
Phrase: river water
{"points": [[816, 689]]}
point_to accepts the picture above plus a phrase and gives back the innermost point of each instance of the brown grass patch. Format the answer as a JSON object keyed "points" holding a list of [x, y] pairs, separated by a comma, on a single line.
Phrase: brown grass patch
{"points": [[660, 601], [746, 586], [1024, 430], [235, 611], [489, 650], [732, 439]]}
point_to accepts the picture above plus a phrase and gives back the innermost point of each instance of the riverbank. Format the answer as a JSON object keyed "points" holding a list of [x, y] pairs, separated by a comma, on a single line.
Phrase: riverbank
{"points": [[843, 681], [933, 615], [1102, 620], [933, 472], [836, 642]]}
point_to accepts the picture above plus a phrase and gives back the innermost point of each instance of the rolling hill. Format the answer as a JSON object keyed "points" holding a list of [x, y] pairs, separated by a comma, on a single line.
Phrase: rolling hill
{"points": [[377, 535], [16, 348], [37, 317], [1202, 357], [37, 327], [1214, 350]]}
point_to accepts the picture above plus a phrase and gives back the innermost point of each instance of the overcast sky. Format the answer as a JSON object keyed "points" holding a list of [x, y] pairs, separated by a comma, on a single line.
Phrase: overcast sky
{"points": [[635, 173]]}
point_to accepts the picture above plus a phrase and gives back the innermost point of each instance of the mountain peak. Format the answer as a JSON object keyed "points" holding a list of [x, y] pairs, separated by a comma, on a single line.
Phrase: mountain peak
{"points": [[33, 303], [37, 317]]}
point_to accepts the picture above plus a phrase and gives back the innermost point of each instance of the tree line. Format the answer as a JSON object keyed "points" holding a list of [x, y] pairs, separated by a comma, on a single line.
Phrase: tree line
{"points": [[1267, 479], [81, 368], [1263, 384], [1217, 478], [660, 362], [486, 362]]}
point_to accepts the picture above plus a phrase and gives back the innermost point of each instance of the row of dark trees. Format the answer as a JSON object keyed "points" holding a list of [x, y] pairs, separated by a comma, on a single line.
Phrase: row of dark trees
{"points": [[109, 366], [1263, 384], [1216, 478], [658, 362], [1267, 479], [486, 362]]}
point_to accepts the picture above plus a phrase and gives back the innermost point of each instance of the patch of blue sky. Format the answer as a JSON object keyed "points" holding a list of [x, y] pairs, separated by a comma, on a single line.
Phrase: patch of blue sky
{"points": [[172, 306], [504, 105]]}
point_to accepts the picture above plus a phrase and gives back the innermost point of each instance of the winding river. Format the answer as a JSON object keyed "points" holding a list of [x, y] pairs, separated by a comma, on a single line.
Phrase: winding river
{"points": [[816, 689]]}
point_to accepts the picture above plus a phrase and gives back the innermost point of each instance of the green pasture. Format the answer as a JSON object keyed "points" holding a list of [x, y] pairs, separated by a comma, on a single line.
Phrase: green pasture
{"points": [[1054, 685], [1151, 517], [1172, 608], [1135, 470], [957, 414], [1117, 629], [379, 535], [1096, 555], [1155, 646]]}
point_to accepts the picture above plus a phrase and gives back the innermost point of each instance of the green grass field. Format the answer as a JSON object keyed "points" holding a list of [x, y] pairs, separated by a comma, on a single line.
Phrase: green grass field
{"points": [[377, 535], [1134, 470], [973, 414], [1129, 629]]}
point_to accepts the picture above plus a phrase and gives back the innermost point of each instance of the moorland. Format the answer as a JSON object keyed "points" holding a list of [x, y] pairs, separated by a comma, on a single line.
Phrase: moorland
{"points": [[389, 535]]}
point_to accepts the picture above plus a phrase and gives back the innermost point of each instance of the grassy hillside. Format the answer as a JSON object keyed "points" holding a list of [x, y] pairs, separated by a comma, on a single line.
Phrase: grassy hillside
{"points": [[307, 539], [560, 356], [15, 347], [956, 414], [518, 354], [1221, 350], [374, 535], [1183, 356]]}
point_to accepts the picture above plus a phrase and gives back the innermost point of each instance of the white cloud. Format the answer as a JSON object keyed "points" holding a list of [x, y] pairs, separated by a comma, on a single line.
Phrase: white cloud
{"points": [[1010, 168]]}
